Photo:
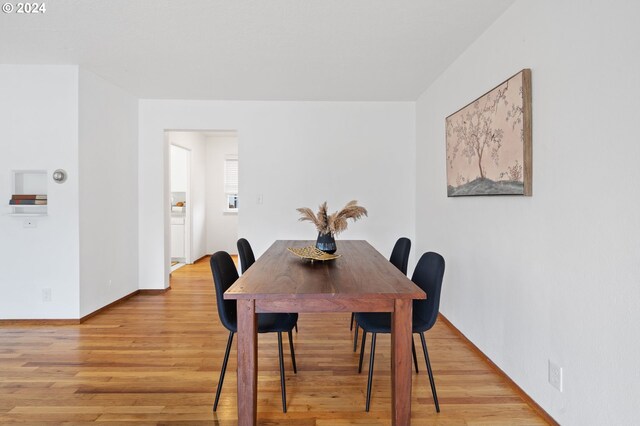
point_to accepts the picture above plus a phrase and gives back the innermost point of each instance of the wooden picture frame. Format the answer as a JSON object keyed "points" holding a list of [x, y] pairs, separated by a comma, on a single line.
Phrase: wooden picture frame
{"points": [[489, 142]]}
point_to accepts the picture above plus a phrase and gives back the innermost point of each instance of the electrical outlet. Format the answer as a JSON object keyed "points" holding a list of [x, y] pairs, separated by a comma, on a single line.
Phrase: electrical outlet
{"points": [[260, 199], [109, 283], [555, 375], [30, 223], [46, 295]]}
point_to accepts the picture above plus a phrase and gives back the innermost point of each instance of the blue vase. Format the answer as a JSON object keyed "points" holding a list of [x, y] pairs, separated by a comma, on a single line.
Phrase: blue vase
{"points": [[326, 243]]}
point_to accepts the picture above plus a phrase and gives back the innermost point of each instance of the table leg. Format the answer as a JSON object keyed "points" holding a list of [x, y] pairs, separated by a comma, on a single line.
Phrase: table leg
{"points": [[247, 363], [401, 326]]}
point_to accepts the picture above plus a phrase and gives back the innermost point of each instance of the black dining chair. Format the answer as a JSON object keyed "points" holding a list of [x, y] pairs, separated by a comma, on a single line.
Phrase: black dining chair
{"points": [[400, 259], [246, 254], [224, 275], [247, 258], [428, 276]]}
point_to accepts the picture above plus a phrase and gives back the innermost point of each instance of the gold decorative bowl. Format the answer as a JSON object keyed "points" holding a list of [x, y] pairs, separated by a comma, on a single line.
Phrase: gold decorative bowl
{"points": [[312, 253]]}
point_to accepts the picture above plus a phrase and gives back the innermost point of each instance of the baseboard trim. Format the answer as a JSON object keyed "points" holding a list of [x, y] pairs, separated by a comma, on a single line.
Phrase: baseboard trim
{"points": [[66, 321], [538, 409], [202, 258], [153, 291], [4, 322], [84, 318], [115, 302]]}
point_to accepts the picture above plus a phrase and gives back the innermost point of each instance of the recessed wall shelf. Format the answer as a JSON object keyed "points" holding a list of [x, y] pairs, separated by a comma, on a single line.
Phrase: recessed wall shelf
{"points": [[31, 182]]}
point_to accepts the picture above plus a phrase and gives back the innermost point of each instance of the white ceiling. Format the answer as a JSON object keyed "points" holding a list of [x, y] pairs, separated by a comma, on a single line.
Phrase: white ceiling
{"points": [[343, 50]]}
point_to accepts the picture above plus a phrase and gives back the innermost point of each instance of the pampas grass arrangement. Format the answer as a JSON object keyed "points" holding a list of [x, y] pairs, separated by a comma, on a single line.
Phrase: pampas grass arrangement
{"points": [[335, 223]]}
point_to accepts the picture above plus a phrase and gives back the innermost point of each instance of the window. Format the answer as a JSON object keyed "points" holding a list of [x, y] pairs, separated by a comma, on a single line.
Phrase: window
{"points": [[231, 183], [232, 202]]}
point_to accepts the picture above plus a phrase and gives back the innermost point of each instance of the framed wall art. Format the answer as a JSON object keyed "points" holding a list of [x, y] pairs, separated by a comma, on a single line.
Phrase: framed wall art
{"points": [[489, 142]]}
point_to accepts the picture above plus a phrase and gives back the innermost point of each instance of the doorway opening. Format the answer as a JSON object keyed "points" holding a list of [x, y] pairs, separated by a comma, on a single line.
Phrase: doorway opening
{"points": [[207, 199]]}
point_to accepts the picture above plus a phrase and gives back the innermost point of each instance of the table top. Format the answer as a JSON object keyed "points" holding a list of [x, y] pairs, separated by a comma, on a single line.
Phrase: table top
{"points": [[360, 271]]}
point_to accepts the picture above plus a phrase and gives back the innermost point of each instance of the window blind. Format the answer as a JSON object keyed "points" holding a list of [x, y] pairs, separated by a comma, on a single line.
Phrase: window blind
{"points": [[231, 175]]}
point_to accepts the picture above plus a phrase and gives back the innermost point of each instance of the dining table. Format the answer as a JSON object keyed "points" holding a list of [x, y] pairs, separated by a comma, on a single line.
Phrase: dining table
{"points": [[359, 280]]}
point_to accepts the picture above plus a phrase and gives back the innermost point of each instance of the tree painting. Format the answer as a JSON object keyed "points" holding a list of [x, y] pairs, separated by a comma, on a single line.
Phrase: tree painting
{"points": [[489, 142]]}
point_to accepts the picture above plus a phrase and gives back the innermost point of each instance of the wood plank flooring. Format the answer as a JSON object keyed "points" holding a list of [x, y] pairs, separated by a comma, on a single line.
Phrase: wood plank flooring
{"points": [[155, 359]]}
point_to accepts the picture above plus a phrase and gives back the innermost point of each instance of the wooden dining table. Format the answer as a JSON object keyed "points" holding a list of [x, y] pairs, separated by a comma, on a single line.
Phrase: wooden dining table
{"points": [[360, 280]]}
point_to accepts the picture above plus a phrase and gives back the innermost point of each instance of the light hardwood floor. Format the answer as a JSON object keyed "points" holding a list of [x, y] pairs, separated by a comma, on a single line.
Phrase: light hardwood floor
{"points": [[155, 359]]}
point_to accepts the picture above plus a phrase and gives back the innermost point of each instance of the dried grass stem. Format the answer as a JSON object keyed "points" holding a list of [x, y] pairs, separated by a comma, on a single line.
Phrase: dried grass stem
{"points": [[333, 223]]}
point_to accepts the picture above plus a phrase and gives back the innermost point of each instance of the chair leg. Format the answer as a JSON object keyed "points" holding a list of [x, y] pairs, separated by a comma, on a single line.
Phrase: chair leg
{"points": [[296, 327], [355, 338], [282, 384], [364, 337], [373, 352], [224, 369], [353, 316], [433, 383], [415, 358], [293, 354]]}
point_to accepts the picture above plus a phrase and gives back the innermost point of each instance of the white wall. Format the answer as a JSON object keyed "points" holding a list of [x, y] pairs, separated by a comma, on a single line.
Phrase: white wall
{"points": [[108, 157], [555, 276], [39, 130], [222, 227], [179, 169], [196, 206], [294, 154]]}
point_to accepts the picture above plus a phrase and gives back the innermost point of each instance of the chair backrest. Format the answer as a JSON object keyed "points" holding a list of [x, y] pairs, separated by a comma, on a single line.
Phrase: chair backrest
{"points": [[246, 254], [400, 254], [428, 276], [224, 275]]}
